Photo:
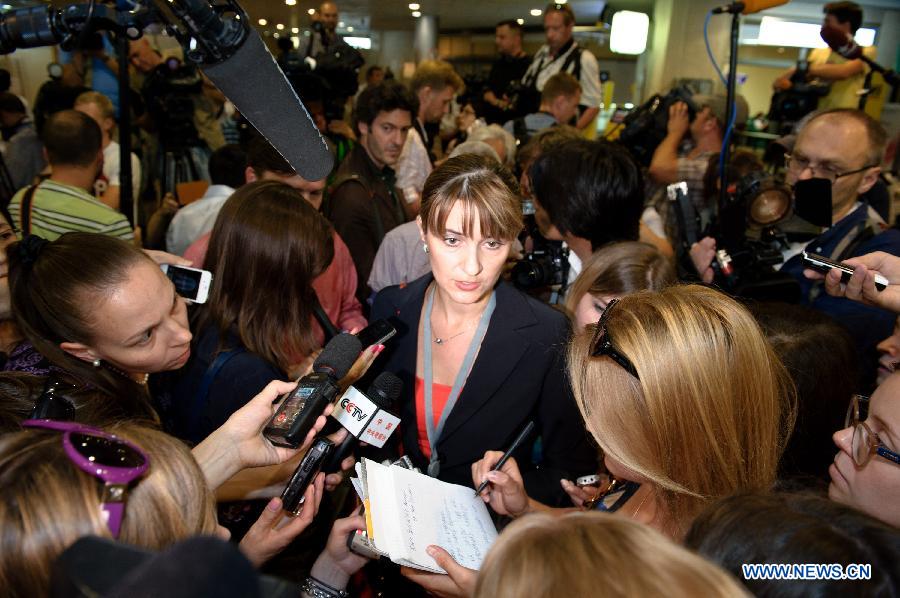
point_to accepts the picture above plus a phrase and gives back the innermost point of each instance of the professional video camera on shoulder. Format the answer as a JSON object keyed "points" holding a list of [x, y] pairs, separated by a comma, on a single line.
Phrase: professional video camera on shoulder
{"points": [[645, 128]]}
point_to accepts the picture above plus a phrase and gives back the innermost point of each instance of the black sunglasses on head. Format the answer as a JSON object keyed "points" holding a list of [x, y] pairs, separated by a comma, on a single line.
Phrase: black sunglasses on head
{"points": [[601, 345]]}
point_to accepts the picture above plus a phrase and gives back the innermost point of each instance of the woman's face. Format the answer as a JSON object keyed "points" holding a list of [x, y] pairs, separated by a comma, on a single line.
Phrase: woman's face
{"points": [[465, 268], [890, 353], [7, 238], [140, 327], [871, 488], [590, 308]]}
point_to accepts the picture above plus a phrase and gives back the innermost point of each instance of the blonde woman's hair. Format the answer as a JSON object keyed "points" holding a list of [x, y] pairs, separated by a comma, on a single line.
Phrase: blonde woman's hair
{"points": [[485, 188], [595, 554], [47, 502], [712, 410], [621, 269]]}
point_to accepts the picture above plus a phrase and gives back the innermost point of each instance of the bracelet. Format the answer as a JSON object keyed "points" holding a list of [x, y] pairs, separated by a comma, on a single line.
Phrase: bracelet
{"points": [[319, 589]]}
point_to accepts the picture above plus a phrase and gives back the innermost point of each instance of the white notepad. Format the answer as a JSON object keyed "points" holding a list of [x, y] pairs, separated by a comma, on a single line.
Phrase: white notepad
{"points": [[410, 511]]}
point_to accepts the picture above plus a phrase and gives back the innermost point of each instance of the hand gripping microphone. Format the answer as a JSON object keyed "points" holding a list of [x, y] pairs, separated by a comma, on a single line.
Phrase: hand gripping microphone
{"points": [[843, 43], [366, 417], [300, 408]]}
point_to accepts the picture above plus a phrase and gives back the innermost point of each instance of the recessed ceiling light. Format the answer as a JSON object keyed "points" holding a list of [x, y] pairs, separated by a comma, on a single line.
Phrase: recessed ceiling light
{"points": [[341, 24], [279, 26], [311, 11], [416, 14], [295, 30], [263, 22], [277, 35], [520, 21], [414, 6], [535, 12], [350, 29], [290, 2]]}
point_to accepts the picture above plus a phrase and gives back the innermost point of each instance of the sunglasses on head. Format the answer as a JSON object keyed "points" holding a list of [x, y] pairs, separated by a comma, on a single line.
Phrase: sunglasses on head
{"points": [[113, 460], [601, 345], [54, 402]]}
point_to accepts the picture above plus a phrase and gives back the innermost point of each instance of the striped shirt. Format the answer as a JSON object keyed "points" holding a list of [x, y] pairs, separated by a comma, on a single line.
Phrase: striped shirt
{"points": [[58, 209]]}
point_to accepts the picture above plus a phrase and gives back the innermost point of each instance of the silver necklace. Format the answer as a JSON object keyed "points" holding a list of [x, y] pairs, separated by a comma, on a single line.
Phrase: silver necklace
{"points": [[440, 341]]}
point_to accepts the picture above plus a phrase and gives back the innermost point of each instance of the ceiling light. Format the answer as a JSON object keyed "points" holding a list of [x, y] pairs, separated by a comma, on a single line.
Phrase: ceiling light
{"points": [[295, 30], [535, 12], [628, 33], [263, 22], [277, 35], [279, 26], [350, 29], [290, 2], [341, 24], [416, 14], [414, 6], [520, 21], [311, 11]]}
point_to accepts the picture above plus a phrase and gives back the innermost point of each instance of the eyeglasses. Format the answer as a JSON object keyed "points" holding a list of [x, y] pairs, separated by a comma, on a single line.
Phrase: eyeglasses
{"points": [[113, 460], [602, 344], [865, 442], [797, 164]]}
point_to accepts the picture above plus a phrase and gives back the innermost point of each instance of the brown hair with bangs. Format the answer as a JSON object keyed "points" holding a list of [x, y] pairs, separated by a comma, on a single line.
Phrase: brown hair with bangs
{"points": [[267, 246], [487, 190]]}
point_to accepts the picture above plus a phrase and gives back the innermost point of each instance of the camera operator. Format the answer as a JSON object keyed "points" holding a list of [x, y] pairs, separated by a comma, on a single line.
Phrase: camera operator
{"points": [[180, 108], [323, 32], [506, 72], [844, 147], [847, 77], [671, 164]]}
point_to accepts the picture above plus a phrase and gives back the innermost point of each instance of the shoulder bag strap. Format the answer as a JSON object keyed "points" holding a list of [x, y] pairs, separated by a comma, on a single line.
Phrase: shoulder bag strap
{"points": [[202, 396], [25, 210]]}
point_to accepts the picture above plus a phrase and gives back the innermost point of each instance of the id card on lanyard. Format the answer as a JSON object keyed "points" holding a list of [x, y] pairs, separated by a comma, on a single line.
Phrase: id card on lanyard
{"points": [[434, 432]]}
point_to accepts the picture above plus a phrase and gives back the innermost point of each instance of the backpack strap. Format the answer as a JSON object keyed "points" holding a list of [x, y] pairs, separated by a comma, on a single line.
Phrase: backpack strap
{"points": [[25, 209], [574, 57], [202, 397]]}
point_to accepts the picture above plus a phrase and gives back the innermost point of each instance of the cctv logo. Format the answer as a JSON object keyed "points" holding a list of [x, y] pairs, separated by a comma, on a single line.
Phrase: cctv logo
{"points": [[353, 409]]}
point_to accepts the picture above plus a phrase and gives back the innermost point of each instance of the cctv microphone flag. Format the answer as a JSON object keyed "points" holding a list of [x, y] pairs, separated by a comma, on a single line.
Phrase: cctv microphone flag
{"points": [[363, 418]]}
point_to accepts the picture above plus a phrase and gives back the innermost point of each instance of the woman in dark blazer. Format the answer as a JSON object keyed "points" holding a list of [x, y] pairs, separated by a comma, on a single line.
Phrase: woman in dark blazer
{"points": [[516, 345]]}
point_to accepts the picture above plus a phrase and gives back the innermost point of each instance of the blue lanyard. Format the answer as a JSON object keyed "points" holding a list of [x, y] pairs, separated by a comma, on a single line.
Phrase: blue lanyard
{"points": [[434, 433]]}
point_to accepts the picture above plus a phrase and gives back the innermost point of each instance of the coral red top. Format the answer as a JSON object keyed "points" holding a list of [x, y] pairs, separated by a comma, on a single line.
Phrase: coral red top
{"points": [[439, 395]]}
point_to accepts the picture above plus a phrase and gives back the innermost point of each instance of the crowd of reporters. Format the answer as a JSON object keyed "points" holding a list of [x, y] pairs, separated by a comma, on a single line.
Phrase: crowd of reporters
{"points": [[532, 275]]}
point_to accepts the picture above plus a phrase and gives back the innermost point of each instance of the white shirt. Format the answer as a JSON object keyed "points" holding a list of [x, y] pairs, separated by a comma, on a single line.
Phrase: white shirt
{"points": [[546, 67], [112, 168], [196, 219], [413, 167]]}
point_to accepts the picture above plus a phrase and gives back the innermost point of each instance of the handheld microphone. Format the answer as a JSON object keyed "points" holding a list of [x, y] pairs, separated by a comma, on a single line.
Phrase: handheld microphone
{"points": [[298, 411], [365, 417], [748, 7]]}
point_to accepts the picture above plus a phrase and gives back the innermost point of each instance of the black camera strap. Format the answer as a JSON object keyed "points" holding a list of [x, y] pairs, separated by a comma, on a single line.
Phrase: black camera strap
{"points": [[25, 210]]}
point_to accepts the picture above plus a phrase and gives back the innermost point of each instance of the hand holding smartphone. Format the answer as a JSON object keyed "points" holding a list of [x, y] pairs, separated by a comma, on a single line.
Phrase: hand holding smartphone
{"points": [[825, 265], [191, 283]]}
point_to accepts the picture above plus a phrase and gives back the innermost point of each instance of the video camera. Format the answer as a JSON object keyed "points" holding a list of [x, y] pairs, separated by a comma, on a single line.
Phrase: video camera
{"points": [[790, 105], [546, 265], [645, 128]]}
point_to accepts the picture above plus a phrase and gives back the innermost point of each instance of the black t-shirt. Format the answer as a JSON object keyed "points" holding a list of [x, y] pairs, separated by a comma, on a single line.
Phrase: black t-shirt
{"points": [[505, 70]]}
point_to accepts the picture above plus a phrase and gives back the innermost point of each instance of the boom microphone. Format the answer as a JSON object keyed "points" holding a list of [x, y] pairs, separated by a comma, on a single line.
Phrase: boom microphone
{"points": [[365, 416], [843, 43], [298, 411], [748, 7]]}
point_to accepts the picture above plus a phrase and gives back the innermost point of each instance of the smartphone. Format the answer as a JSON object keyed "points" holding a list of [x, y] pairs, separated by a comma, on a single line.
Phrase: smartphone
{"points": [[191, 283], [292, 497], [587, 480], [358, 543], [376, 333], [824, 265]]}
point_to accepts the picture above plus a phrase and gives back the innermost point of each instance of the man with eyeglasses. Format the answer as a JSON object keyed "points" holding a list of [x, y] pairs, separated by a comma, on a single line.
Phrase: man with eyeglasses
{"points": [[843, 146]]}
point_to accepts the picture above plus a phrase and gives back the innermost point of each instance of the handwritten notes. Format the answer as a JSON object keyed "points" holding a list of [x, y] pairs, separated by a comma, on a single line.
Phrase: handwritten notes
{"points": [[411, 511]]}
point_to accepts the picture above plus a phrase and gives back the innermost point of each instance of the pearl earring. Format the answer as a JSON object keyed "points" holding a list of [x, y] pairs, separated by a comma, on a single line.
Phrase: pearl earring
{"points": [[96, 363], [425, 247]]}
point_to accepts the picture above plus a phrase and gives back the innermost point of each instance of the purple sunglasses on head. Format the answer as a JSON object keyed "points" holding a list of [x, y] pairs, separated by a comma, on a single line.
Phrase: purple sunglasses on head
{"points": [[113, 460]]}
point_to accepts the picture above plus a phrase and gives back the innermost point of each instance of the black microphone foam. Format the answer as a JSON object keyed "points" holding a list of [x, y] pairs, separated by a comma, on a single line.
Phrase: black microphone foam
{"points": [[338, 356], [254, 82], [841, 42], [385, 389]]}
